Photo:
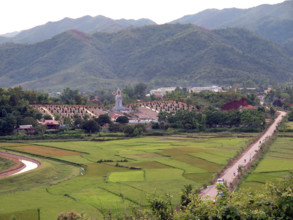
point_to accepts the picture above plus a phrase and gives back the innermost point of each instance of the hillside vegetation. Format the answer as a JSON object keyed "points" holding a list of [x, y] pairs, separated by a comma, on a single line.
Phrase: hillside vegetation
{"points": [[162, 55], [274, 22]]}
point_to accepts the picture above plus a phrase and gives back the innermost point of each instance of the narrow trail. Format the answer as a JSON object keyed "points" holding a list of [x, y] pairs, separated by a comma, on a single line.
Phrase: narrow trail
{"points": [[48, 112], [90, 113], [26, 164], [246, 157]]}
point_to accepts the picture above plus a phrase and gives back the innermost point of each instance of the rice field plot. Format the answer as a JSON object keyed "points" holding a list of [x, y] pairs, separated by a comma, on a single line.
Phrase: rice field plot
{"points": [[128, 171], [126, 176], [275, 165], [289, 125], [6, 163]]}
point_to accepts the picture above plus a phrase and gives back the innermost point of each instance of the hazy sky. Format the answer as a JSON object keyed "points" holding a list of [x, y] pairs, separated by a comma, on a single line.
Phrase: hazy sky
{"points": [[16, 15]]}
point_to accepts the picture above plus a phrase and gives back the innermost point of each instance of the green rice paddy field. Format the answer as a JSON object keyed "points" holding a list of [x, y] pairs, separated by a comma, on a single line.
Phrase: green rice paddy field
{"points": [[276, 164], [159, 165]]}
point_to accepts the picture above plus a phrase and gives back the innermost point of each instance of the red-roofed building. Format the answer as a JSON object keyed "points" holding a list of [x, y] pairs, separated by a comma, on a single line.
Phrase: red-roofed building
{"points": [[235, 105], [115, 115], [51, 124]]}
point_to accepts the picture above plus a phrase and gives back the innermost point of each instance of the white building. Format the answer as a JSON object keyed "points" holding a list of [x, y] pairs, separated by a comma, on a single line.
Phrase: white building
{"points": [[206, 88], [162, 91]]}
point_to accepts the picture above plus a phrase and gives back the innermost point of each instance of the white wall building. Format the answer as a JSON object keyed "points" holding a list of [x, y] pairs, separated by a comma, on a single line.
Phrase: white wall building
{"points": [[162, 91], [206, 88]]}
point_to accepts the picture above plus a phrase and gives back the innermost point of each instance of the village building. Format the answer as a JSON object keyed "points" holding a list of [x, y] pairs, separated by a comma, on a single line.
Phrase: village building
{"points": [[29, 129], [160, 92], [51, 124], [206, 88]]}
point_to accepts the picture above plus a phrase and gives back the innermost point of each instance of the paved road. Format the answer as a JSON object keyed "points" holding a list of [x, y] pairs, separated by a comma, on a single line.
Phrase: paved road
{"points": [[248, 155]]}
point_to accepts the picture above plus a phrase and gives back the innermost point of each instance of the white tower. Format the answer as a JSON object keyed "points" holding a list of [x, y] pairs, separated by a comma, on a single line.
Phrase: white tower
{"points": [[118, 101]]}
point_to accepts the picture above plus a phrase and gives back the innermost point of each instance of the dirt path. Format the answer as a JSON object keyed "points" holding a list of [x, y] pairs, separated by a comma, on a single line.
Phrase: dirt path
{"points": [[248, 155], [24, 164], [90, 113], [48, 112]]}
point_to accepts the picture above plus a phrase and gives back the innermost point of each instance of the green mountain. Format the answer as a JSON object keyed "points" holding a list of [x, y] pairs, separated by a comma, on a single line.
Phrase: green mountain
{"points": [[86, 24], [274, 22], [161, 55]]}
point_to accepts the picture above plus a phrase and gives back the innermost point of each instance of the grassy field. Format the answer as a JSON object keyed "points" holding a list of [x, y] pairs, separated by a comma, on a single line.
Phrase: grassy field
{"points": [[5, 163], [276, 164], [135, 168]]}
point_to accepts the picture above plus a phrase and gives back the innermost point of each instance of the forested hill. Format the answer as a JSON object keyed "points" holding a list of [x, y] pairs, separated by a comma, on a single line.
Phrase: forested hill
{"points": [[86, 24], [161, 55], [274, 22]]}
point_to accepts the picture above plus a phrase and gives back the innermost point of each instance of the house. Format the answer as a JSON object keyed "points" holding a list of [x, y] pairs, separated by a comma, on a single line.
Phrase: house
{"points": [[235, 105], [115, 115], [28, 128], [51, 124]]}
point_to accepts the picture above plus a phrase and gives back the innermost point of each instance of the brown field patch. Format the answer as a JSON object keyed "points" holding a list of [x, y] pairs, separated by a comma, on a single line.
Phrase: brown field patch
{"points": [[4, 144], [102, 169], [46, 151]]}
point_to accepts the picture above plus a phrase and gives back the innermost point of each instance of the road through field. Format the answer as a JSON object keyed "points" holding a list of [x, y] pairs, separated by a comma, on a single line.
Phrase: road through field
{"points": [[231, 173]]}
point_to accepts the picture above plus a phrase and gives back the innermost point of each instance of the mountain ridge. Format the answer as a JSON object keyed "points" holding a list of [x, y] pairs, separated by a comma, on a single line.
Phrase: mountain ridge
{"points": [[160, 55], [273, 22], [86, 24]]}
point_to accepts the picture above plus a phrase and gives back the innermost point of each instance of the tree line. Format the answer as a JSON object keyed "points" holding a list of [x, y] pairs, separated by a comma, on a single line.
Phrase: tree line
{"points": [[253, 119]]}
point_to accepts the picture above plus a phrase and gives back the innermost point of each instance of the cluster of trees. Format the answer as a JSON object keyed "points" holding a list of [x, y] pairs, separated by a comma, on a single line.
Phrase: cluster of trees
{"points": [[280, 97], [15, 109], [94, 125], [132, 94], [213, 118], [72, 97]]}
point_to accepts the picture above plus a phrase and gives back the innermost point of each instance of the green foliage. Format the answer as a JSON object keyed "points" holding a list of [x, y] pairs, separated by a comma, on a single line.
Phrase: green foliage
{"points": [[72, 97], [91, 126], [213, 119], [252, 118], [290, 115], [47, 117], [122, 119], [274, 203], [103, 119], [161, 207], [15, 109]]}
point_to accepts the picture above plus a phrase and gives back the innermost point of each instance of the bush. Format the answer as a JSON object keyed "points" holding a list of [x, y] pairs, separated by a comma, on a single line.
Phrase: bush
{"points": [[122, 120], [91, 126], [47, 117]]}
